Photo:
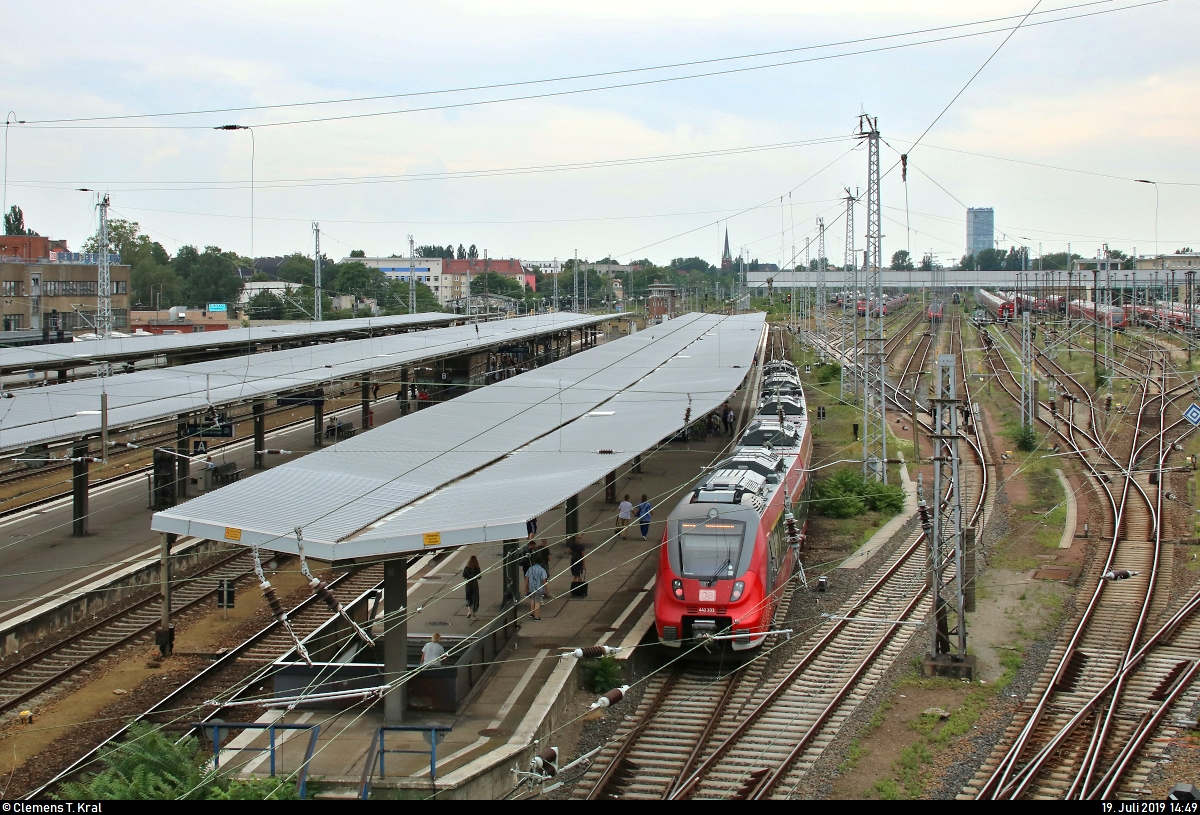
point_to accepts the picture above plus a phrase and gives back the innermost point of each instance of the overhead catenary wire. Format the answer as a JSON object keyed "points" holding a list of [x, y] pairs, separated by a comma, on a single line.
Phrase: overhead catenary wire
{"points": [[600, 88]]}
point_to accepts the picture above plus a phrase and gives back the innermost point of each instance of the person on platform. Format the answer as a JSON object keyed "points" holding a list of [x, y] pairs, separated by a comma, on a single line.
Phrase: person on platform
{"points": [[535, 586], [471, 575], [643, 511], [624, 516], [433, 651]]}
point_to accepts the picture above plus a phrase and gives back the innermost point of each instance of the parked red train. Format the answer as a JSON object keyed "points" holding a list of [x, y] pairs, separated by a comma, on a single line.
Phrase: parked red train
{"points": [[1105, 315], [1000, 307], [724, 558]]}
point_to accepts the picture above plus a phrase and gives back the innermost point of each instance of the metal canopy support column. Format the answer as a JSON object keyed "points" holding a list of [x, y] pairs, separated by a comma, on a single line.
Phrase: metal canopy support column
{"points": [[366, 401], [182, 459], [610, 488], [395, 637], [572, 518], [79, 490], [318, 421], [260, 433], [849, 391], [163, 636], [511, 573], [874, 363]]}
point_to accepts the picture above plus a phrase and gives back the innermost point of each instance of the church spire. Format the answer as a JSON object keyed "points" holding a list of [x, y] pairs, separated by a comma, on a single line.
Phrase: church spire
{"points": [[726, 258]]}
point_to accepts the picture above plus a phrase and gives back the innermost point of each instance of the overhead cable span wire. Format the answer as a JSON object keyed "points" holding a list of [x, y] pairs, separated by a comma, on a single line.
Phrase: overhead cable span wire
{"points": [[46, 124], [546, 80]]}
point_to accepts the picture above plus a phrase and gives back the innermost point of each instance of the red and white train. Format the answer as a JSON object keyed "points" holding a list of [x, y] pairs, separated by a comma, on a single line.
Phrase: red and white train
{"points": [[725, 558], [999, 306], [1105, 315]]}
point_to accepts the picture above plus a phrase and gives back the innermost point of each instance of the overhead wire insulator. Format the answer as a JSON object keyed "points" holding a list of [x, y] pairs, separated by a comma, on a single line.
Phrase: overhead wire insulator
{"points": [[545, 763], [277, 609], [593, 651], [321, 589], [611, 698]]}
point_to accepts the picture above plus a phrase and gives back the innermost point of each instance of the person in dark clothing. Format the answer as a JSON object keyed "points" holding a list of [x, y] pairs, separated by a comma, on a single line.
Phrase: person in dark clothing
{"points": [[527, 556], [577, 549], [471, 575]]}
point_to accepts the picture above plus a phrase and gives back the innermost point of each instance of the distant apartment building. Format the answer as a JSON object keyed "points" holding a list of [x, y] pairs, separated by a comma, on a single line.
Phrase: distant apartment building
{"points": [[60, 293], [981, 229], [429, 271], [609, 268], [1181, 262], [456, 272]]}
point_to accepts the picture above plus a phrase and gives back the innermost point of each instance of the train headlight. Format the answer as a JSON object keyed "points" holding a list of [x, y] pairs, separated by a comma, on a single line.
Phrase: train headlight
{"points": [[677, 589], [738, 588]]}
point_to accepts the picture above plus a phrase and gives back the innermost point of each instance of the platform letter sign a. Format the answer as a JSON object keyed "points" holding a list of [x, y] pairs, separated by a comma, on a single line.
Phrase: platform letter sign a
{"points": [[433, 538], [1192, 414]]}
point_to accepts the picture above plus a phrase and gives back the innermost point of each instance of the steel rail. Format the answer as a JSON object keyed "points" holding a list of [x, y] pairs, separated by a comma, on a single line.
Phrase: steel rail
{"points": [[225, 660], [1016, 786]]}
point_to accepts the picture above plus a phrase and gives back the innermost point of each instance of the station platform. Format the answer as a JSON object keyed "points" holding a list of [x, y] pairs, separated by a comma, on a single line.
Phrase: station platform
{"points": [[44, 564], [525, 694]]}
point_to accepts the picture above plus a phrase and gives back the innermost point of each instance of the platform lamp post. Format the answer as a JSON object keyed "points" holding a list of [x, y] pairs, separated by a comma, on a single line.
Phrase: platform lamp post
{"points": [[252, 153]]}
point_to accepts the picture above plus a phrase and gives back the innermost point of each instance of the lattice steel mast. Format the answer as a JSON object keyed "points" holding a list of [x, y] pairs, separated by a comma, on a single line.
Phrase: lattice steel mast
{"points": [[412, 278], [822, 294], [874, 368], [1028, 391], [850, 377], [946, 542], [104, 316], [317, 271]]}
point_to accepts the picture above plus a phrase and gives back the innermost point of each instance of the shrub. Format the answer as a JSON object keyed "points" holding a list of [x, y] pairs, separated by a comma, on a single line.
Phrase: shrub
{"points": [[845, 493], [829, 373], [1026, 439], [150, 766], [603, 674]]}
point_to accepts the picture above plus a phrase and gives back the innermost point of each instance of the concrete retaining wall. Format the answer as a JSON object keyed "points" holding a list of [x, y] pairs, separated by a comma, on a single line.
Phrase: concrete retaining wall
{"points": [[77, 605]]}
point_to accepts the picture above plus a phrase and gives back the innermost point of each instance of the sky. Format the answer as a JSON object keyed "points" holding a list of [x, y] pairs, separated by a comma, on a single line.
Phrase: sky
{"points": [[1052, 133]]}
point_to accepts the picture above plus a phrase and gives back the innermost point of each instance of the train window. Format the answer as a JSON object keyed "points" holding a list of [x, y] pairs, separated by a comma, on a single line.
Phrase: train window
{"points": [[711, 551]]}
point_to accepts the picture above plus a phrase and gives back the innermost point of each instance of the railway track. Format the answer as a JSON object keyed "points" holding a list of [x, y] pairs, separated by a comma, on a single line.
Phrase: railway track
{"points": [[233, 674], [748, 736], [45, 669], [1069, 738]]}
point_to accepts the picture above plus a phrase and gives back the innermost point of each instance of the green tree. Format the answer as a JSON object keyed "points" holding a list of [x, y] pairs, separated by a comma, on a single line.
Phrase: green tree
{"points": [[472, 253], [926, 264], [298, 268], [901, 261], [210, 276], [494, 283], [266, 305], [126, 239], [394, 298], [155, 284], [462, 253], [14, 222], [357, 253], [357, 278]]}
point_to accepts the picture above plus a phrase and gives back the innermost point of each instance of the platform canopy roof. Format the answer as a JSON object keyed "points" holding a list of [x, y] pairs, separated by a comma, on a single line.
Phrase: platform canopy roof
{"points": [[71, 410], [478, 467], [90, 352]]}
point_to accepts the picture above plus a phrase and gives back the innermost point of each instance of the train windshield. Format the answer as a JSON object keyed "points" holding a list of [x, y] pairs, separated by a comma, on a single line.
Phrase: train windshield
{"points": [[710, 551]]}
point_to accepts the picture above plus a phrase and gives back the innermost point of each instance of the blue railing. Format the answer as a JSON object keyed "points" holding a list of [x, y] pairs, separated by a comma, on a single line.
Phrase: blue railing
{"points": [[378, 748], [302, 776]]}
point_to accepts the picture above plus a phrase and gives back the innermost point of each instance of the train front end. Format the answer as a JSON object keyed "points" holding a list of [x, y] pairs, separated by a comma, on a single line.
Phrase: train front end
{"points": [[709, 584]]}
